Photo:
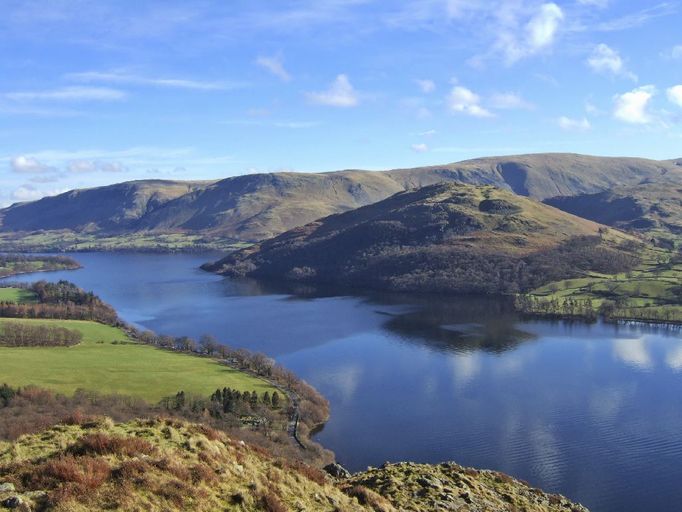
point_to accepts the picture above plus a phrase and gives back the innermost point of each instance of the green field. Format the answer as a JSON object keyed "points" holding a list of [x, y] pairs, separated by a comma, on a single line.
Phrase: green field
{"points": [[128, 368], [16, 295], [651, 292]]}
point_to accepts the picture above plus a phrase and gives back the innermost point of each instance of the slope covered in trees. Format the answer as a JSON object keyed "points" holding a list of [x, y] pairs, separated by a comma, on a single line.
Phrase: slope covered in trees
{"points": [[440, 238]]}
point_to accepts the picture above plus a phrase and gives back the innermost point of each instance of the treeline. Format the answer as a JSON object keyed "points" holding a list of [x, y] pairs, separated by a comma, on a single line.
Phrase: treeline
{"points": [[17, 334], [583, 309], [62, 300], [30, 409], [554, 308], [312, 407]]}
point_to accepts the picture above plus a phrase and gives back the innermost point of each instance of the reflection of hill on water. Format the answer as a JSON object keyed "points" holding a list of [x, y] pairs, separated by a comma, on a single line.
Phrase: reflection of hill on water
{"points": [[446, 323]]}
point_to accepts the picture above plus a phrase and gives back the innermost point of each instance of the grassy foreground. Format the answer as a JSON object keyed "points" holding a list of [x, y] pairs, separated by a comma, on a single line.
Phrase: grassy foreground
{"points": [[167, 465], [107, 361]]}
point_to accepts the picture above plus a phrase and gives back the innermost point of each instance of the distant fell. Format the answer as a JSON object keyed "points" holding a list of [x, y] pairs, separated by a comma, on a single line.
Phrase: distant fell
{"points": [[440, 238], [254, 207]]}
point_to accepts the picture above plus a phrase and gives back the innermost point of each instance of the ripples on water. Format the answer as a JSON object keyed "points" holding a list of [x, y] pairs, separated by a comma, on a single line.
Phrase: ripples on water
{"points": [[591, 411]]}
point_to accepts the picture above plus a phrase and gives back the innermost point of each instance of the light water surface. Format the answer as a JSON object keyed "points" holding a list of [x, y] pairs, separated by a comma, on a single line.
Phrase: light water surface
{"points": [[591, 411]]}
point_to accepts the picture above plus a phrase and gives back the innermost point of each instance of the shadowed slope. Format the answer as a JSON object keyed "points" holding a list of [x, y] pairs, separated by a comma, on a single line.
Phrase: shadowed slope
{"points": [[445, 237]]}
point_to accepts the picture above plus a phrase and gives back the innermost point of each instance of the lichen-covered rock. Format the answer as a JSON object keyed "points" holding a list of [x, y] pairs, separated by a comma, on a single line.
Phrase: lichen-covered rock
{"points": [[450, 487]]}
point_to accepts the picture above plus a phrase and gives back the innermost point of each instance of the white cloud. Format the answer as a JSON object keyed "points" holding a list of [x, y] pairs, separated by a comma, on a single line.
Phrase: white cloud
{"points": [[509, 100], [675, 95], [465, 101], [676, 52], [568, 124], [340, 94], [595, 3], [542, 27], [91, 166], [120, 77], [275, 66], [29, 165], [69, 94], [420, 148], [31, 193], [516, 40], [426, 86], [428, 133], [632, 107], [605, 59]]}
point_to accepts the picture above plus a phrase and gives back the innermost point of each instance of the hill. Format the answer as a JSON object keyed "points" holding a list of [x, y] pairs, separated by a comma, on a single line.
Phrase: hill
{"points": [[651, 208], [258, 206], [166, 465], [105, 209], [440, 238]]}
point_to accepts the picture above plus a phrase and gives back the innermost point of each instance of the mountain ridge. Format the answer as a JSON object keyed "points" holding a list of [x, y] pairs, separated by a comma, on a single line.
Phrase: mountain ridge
{"points": [[255, 207]]}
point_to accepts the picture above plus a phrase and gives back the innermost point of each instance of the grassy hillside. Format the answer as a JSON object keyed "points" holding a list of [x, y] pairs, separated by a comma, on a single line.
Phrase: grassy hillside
{"points": [[16, 295], [446, 237], [650, 208], [167, 465], [103, 208], [651, 292], [258, 206], [108, 362]]}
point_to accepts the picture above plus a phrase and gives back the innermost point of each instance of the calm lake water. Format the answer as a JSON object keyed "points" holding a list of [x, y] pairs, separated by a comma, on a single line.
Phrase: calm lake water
{"points": [[593, 412]]}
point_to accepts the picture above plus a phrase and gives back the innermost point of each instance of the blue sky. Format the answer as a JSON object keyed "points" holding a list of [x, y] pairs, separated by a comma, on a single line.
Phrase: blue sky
{"points": [[96, 92]]}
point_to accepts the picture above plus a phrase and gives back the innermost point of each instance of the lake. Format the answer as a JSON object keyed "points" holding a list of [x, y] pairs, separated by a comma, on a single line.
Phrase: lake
{"points": [[591, 411]]}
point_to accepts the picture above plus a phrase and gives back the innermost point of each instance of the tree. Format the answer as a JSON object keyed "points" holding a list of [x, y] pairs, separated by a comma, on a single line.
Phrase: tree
{"points": [[266, 399], [275, 400], [209, 344]]}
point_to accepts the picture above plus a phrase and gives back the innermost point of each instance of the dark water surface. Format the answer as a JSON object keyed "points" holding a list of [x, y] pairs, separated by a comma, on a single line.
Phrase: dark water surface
{"points": [[593, 412]]}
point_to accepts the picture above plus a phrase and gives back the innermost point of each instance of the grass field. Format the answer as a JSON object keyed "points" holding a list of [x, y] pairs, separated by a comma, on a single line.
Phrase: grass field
{"points": [[128, 368], [651, 292], [16, 295]]}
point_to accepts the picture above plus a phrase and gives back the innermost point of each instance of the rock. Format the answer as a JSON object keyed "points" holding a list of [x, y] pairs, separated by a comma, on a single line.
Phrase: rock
{"points": [[337, 470], [13, 502], [7, 487]]}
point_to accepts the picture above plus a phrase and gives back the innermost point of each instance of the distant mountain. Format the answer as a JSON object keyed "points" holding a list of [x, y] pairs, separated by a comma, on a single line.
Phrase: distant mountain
{"points": [[440, 238], [108, 209], [651, 208], [257, 206]]}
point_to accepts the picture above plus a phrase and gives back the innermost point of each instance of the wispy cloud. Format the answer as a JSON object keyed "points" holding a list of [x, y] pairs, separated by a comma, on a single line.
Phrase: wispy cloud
{"points": [[29, 165], [509, 101], [119, 77], [605, 59], [420, 147], [69, 94], [426, 86], [638, 18], [340, 93], [570, 124], [275, 66]]}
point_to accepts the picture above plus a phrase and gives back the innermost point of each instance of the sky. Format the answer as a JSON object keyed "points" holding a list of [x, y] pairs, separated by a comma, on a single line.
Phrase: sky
{"points": [[99, 92]]}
